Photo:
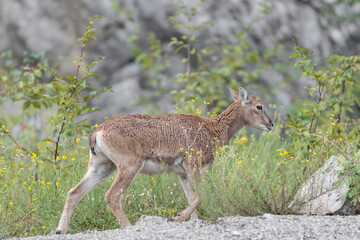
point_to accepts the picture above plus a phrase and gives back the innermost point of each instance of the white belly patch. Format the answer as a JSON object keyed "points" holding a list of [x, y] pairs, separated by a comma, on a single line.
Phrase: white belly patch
{"points": [[154, 168]]}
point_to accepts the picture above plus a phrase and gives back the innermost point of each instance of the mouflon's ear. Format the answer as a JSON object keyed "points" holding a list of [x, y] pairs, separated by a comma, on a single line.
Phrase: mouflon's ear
{"points": [[243, 95], [234, 94]]}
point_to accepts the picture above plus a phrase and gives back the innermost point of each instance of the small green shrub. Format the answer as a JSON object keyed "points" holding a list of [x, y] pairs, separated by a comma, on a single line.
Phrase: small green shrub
{"points": [[328, 123], [38, 165]]}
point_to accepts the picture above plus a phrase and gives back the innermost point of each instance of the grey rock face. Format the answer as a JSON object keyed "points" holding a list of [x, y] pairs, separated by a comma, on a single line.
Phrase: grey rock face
{"points": [[320, 195], [54, 26]]}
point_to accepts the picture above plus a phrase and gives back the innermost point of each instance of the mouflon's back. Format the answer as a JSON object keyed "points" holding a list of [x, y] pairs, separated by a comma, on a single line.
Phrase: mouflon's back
{"points": [[151, 136]]}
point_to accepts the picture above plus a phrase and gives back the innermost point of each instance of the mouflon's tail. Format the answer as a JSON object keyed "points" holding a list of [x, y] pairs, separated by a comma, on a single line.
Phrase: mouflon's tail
{"points": [[92, 143]]}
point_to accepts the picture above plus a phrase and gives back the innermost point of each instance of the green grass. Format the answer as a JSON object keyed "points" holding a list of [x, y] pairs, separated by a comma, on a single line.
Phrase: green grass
{"points": [[250, 176]]}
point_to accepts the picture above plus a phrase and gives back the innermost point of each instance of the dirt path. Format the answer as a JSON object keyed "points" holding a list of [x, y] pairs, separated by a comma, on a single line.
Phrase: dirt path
{"points": [[263, 227]]}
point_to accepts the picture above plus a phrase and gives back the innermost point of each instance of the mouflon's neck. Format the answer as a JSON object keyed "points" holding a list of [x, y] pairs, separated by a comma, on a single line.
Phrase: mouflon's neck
{"points": [[230, 121]]}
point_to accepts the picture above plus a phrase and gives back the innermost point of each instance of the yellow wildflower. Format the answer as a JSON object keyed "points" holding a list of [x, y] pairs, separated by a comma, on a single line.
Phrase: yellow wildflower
{"points": [[243, 139]]}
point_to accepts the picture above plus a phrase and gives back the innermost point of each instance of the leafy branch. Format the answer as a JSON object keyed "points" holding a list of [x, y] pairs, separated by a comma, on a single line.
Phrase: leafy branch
{"points": [[66, 93], [88, 35]]}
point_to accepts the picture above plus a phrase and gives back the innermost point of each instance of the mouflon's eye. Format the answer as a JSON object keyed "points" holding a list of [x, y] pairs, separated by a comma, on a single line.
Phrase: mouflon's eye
{"points": [[259, 108]]}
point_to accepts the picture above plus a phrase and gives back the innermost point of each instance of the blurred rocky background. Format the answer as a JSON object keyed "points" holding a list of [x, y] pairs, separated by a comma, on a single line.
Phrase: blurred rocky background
{"points": [[52, 27]]}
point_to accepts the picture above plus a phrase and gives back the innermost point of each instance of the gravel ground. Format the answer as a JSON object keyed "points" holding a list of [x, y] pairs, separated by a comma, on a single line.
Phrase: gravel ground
{"points": [[264, 227]]}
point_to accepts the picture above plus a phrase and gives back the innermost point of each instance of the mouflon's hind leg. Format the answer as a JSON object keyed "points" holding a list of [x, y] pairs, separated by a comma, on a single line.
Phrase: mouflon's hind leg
{"points": [[99, 169], [189, 193], [125, 175], [193, 198]]}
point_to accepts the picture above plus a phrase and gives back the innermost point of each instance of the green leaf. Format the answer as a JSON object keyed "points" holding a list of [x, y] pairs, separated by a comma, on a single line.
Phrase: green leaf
{"points": [[199, 57], [311, 90], [295, 55], [26, 105], [38, 73], [36, 104], [132, 38], [294, 41]]}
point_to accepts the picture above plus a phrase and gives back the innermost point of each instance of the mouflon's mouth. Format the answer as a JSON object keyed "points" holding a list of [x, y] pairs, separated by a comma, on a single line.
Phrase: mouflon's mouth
{"points": [[267, 128]]}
